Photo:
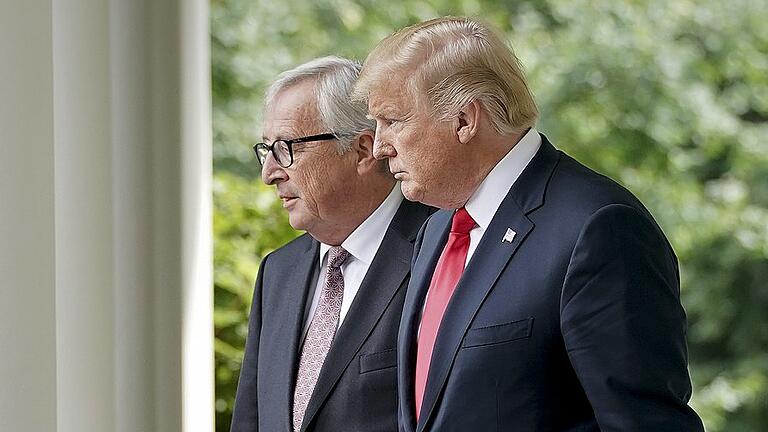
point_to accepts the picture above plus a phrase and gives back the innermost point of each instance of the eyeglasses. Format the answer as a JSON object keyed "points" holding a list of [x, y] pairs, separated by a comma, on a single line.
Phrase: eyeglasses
{"points": [[282, 150]]}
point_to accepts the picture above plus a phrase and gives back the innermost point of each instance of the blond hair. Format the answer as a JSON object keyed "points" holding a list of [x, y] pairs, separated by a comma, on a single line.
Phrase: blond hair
{"points": [[454, 61]]}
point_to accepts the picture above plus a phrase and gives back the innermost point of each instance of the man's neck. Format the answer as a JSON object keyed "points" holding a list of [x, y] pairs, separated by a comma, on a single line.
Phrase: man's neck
{"points": [[489, 150], [363, 202]]}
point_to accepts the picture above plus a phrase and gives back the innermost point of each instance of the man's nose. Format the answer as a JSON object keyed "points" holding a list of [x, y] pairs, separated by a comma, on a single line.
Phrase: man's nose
{"points": [[382, 149], [272, 172]]}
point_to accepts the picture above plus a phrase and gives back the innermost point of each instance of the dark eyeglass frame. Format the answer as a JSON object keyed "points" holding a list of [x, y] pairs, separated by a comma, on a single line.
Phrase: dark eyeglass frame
{"points": [[262, 149]]}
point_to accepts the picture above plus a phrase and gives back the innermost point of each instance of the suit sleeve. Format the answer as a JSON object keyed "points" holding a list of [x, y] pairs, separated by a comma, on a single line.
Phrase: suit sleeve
{"points": [[245, 415], [624, 327]]}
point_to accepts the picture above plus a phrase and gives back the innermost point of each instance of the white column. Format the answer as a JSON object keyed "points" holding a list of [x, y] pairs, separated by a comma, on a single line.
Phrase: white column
{"points": [[196, 159], [182, 252], [27, 261], [85, 332], [133, 183], [105, 230]]}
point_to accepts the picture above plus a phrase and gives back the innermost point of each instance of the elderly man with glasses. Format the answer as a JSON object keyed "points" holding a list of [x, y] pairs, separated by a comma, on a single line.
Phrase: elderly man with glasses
{"points": [[321, 348]]}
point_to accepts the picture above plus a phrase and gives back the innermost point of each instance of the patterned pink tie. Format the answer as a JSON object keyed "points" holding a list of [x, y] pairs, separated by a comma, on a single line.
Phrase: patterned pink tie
{"points": [[321, 331]]}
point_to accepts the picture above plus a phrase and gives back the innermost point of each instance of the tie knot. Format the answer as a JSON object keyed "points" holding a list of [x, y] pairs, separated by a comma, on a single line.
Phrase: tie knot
{"points": [[462, 222], [336, 256]]}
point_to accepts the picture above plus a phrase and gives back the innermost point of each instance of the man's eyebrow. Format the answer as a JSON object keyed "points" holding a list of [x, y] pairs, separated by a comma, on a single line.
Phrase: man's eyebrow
{"points": [[383, 112], [280, 136]]}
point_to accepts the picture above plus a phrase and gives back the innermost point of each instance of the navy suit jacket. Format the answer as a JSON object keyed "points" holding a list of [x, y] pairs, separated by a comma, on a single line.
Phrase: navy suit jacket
{"points": [[574, 325], [357, 386]]}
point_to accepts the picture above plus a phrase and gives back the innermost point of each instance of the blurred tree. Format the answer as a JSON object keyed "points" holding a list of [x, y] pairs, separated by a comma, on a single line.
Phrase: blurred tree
{"points": [[668, 97]]}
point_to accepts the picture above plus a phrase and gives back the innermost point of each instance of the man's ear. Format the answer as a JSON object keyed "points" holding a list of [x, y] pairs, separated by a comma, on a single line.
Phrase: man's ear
{"points": [[468, 122], [362, 145]]}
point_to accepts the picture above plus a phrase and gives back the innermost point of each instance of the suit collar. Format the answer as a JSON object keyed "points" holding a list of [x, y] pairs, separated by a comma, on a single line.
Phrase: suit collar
{"points": [[487, 198], [384, 278], [529, 190]]}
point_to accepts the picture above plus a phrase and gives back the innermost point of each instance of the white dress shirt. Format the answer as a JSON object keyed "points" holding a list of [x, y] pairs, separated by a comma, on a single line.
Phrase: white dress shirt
{"points": [[362, 246], [484, 203]]}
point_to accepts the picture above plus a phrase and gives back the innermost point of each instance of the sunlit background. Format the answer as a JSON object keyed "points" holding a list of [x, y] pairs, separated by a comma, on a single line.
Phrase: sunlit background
{"points": [[670, 98]]}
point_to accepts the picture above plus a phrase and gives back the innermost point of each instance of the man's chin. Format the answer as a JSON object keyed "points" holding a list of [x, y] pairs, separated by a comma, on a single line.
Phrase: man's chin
{"points": [[417, 194], [296, 221], [410, 192]]}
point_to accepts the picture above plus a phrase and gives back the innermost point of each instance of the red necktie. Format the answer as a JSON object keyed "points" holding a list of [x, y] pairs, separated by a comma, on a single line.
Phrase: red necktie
{"points": [[449, 268]]}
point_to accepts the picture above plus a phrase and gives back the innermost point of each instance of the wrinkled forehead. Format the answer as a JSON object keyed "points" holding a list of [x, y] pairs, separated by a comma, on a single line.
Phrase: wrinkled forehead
{"points": [[294, 100], [291, 110], [386, 96]]}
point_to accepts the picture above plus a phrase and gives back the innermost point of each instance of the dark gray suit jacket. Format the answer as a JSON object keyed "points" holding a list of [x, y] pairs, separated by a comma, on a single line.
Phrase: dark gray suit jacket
{"points": [[357, 386], [574, 325]]}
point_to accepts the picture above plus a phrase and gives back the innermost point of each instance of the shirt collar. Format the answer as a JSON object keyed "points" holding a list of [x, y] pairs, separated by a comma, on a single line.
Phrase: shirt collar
{"points": [[366, 238], [484, 203]]}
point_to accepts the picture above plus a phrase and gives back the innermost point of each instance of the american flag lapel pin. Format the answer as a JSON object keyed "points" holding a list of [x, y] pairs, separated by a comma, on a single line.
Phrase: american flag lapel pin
{"points": [[508, 236]]}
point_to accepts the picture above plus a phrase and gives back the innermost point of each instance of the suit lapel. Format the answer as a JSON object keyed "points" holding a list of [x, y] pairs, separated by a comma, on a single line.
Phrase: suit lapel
{"points": [[485, 266], [492, 255], [434, 240], [297, 285], [383, 279]]}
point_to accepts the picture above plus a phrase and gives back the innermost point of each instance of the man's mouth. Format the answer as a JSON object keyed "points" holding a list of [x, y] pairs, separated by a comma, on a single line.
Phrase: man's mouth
{"points": [[287, 200]]}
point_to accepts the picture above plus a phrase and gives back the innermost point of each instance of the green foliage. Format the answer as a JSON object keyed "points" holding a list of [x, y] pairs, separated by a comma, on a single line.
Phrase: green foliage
{"points": [[669, 98], [248, 223]]}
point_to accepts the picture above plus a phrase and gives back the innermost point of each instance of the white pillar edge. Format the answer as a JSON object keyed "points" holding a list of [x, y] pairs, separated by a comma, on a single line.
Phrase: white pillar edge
{"points": [[182, 253], [197, 229]]}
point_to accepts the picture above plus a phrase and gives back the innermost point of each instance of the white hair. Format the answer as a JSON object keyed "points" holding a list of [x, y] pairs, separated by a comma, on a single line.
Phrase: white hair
{"points": [[334, 80]]}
